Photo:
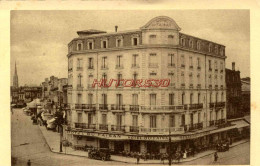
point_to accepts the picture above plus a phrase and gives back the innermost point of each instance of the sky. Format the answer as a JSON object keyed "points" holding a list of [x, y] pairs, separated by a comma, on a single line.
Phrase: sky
{"points": [[39, 38]]}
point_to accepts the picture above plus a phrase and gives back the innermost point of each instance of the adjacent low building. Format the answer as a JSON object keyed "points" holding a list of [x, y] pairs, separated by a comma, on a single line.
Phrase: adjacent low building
{"points": [[191, 110]]}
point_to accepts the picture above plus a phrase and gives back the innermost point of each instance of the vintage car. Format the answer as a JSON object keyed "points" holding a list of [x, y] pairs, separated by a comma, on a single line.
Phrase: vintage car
{"points": [[99, 154]]}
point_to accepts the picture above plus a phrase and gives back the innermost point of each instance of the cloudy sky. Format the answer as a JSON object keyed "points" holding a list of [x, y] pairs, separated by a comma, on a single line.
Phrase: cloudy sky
{"points": [[39, 38]]}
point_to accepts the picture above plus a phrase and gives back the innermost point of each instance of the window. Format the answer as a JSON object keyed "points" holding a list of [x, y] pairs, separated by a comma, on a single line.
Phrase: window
{"points": [[191, 62], [182, 98], [210, 68], [211, 116], [210, 80], [119, 61], [135, 78], [119, 77], [153, 121], [80, 118], [104, 119], [191, 43], [191, 98], [210, 47], [152, 39], [210, 98], [199, 116], [79, 63], [171, 99], [191, 118], [91, 45], [171, 60], [182, 120], [134, 60], [198, 98], [182, 42], [170, 39], [104, 43], [135, 99], [216, 49], [119, 42], [182, 61], [79, 46], [182, 77], [198, 63], [216, 97], [90, 117], [198, 45], [222, 97], [221, 51], [171, 75], [90, 63], [104, 99], [104, 62], [152, 99], [135, 120], [104, 76], [172, 121], [119, 99], [79, 99], [221, 67], [135, 39], [70, 64], [216, 65], [119, 120], [222, 114], [90, 98], [153, 60], [79, 80]]}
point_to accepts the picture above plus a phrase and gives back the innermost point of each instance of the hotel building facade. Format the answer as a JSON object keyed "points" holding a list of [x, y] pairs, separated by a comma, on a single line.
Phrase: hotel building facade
{"points": [[191, 110]]}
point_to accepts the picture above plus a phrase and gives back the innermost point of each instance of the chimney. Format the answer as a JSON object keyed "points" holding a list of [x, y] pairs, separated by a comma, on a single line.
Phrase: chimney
{"points": [[116, 28], [233, 66]]}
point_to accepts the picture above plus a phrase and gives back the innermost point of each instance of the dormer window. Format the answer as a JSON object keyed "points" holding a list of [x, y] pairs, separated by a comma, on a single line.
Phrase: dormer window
{"points": [[135, 39], [90, 44], [182, 42], [216, 49], [119, 41], [210, 47], [221, 51], [190, 43], [104, 43], [198, 45], [79, 45]]}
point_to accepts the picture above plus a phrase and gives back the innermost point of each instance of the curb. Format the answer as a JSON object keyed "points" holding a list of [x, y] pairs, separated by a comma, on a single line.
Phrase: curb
{"points": [[132, 162]]}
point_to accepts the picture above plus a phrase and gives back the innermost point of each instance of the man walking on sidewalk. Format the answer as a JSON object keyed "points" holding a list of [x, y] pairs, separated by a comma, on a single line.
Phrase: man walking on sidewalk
{"points": [[215, 156]]}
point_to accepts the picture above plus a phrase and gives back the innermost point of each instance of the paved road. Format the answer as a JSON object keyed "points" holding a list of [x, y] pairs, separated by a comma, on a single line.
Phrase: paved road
{"points": [[28, 143]]}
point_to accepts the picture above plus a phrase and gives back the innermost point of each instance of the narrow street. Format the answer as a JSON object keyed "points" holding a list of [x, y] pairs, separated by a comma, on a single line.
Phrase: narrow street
{"points": [[28, 143]]}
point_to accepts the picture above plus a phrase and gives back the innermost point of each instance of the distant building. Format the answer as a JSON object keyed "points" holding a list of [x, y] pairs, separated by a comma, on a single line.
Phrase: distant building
{"points": [[233, 84], [246, 95], [15, 78]]}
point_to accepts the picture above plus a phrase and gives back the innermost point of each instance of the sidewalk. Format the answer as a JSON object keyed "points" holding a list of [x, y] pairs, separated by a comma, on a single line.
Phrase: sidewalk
{"points": [[53, 141]]}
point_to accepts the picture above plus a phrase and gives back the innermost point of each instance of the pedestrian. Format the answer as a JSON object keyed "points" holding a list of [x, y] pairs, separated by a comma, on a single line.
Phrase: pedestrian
{"points": [[29, 163], [216, 157], [137, 158], [185, 154]]}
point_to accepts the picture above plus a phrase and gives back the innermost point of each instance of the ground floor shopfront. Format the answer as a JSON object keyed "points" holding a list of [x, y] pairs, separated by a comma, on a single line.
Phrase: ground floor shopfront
{"points": [[118, 143]]}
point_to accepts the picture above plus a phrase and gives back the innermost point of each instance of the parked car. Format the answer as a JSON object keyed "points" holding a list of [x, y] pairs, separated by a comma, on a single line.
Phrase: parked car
{"points": [[51, 124]]}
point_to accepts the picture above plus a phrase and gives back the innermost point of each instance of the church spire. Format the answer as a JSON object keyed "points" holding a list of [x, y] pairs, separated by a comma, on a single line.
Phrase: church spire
{"points": [[15, 77]]}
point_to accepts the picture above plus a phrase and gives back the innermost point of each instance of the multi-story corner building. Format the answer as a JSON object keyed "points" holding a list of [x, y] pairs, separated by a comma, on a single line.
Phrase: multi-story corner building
{"points": [[191, 109], [234, 98]]}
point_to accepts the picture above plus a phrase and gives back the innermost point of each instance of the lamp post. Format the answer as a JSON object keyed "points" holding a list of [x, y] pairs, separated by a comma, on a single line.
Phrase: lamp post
{"points": [[170, 141]]}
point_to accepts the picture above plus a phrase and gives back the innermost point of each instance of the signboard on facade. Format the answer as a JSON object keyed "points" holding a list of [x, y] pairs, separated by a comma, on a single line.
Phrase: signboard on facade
{"points": [[160, 138]]}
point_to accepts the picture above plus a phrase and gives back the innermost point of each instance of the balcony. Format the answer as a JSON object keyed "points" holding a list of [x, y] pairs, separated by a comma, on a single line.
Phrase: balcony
{"points": [[166, 108], [104, 67], [220, 122], [182, 66], [191, 67], [173, 130], [135, 65], [119, 66], [211, 123], [103, 127], [117, 128], [91, 67], [103, 106], [134, 129], [196, 106], [79, 87], [153, 65], [85, 106], [134, 107], [171, 65], [117, 107], [85, 126], [220, 104], [211, 105], [79, 68], [191, 86]]}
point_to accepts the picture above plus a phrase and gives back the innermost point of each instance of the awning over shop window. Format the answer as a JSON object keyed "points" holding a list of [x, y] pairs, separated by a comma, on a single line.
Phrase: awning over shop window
{"points": [[240, 123]]}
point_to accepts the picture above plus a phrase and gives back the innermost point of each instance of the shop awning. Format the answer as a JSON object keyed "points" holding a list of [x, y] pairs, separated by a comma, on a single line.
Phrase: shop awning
{"points": [[240, 123]]}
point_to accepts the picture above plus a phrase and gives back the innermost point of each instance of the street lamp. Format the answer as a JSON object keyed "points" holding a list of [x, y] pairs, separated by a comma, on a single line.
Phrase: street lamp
{"points": [[170, 141]]}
